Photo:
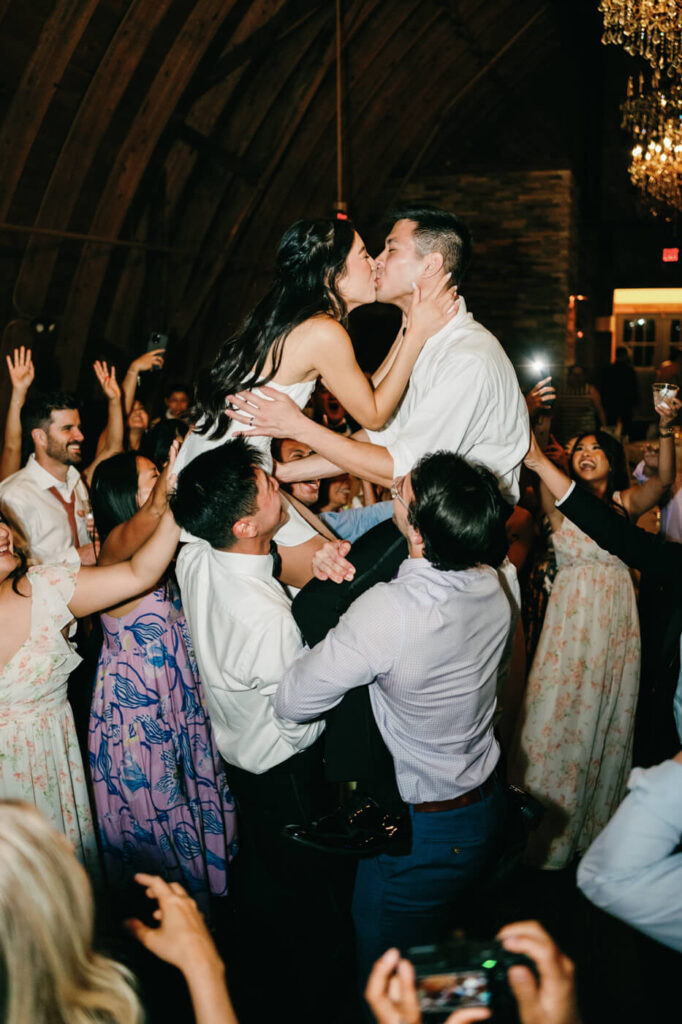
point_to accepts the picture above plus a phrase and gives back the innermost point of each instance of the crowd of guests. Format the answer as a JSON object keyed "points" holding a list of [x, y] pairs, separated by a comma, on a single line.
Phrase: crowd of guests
{"points": [[338, 615]]}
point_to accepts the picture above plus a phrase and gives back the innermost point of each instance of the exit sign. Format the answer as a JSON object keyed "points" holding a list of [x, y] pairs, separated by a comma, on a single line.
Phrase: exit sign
{"points": [[671, 255]]}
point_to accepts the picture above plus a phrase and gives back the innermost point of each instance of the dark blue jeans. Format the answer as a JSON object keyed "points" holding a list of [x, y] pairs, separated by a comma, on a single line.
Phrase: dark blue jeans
{"points": [[409, 900]]}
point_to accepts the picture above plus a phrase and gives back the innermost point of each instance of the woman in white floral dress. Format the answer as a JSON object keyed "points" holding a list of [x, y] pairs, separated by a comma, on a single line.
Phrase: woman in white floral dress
{"points": [[40, 761], [573, 743]]}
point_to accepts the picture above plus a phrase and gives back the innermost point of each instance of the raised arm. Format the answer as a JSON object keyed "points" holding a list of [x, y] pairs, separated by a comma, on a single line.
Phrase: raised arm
{"points": [[21, 372], [639, 499], [99, 587], [181, 938], [111, 438], [126, 538], [611, 531], [147, 361], [331, 355]]}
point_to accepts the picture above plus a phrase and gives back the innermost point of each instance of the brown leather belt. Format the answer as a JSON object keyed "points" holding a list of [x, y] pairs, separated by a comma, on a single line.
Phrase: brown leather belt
{"points": [[474, 796]]}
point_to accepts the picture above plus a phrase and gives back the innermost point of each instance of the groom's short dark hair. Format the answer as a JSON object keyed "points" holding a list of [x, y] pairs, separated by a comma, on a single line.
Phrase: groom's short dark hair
{"points": [[439, 231]]}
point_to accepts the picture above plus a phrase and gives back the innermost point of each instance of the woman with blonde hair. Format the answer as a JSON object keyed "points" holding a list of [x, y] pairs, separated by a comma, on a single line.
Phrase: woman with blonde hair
{"points": [[49, 972]]}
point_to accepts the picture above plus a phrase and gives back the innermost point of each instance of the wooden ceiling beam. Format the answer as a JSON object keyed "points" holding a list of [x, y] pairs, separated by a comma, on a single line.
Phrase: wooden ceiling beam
{"points": [[58, 40], [447, 109], [260, 41], [208, 147], [93, 118], [248, 123], [354, 19], [369, 79], [133, 158]]}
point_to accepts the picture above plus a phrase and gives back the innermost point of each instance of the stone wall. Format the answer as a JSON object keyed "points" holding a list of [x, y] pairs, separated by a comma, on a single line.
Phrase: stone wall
{"points": [[525, 260]]}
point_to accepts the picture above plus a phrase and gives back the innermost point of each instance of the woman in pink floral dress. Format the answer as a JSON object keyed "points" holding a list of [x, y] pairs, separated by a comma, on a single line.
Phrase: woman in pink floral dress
{"points": [[573, 744], [40, 761]]}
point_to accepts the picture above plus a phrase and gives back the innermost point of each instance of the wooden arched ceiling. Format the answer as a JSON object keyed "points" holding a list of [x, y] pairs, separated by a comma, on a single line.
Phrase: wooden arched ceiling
{"points": [[191, 132]]}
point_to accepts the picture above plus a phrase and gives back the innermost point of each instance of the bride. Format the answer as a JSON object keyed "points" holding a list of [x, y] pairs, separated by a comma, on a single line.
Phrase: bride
{"points": [[296, 334]]}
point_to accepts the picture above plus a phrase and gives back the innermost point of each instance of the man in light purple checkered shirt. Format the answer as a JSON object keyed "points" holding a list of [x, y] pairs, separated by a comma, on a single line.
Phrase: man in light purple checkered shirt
{"points": [[428, 644]]}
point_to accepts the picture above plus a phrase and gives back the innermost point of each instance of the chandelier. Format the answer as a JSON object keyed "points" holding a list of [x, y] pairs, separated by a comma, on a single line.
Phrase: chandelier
{"points": [[649, 28], [654, 117]]}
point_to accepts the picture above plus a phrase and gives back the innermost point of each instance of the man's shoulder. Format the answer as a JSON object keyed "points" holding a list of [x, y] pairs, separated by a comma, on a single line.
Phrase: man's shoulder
{"points": [[203, 575], [468, 345], [18, 486]]}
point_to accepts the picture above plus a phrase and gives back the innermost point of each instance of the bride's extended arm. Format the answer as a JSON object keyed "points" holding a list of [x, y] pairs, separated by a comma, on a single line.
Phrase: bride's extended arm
{"points": [[331, 355]]}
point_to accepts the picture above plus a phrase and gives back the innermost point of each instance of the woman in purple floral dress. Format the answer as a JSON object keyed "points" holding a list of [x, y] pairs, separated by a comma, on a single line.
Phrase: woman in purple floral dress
{"points": [[163, 805]]}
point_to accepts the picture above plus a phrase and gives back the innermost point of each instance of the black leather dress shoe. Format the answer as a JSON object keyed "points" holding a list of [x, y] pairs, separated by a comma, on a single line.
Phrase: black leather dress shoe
{"points": [[359, 828]]}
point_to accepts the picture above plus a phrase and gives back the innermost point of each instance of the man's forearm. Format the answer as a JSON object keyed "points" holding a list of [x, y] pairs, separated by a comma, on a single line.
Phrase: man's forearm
{"points": [[631, 869], [368, 461]]}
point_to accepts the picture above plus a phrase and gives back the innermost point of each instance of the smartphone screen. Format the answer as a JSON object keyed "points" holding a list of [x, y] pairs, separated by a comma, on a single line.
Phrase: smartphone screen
{"points": [[452, 990]]}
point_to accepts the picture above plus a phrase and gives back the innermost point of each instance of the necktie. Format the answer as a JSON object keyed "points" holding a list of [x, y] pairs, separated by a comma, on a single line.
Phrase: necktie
{"points": [[276, 560], [70, 508]]}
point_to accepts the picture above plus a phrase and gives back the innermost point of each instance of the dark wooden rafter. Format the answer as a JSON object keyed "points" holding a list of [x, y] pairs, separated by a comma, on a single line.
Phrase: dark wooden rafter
{"points": [[300, 189], [353, 17], [378, 84], [203, 207], [117, 194], [92, 120], [288, 18], [58, 40], [214, 151], [468, 86], [181, 163]]}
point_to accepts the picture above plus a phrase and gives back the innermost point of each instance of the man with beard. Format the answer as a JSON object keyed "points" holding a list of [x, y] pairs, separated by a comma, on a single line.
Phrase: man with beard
{"points": [[48, 497]]}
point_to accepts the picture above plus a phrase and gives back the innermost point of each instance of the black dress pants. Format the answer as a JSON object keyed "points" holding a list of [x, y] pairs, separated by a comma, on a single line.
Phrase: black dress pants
{"points": [[354, 747], [291, 903]]}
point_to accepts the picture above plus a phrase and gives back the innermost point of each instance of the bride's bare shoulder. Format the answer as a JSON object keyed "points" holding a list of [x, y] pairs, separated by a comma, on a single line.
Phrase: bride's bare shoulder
{"points": [[320, 326]]}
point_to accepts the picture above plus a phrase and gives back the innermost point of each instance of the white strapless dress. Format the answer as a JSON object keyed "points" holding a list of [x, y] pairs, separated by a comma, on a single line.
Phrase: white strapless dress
{"points": [[196, 444], [296, 530]]}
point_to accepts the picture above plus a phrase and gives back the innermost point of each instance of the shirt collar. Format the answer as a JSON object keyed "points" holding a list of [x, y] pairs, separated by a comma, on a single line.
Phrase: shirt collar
{"points": [[259, 566], [461, 318], [45, 480], [420, 566]]}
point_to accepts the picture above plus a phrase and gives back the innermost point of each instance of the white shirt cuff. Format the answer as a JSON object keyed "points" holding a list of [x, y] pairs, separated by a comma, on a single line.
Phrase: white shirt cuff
{"points": [[559, 502]]}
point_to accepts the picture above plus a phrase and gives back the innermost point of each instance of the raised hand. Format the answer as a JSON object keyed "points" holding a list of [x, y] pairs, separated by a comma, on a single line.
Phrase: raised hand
{"points": [[391, 991], [107, 379], [148, 361], [21, 370], [667, 410], [541, 396]]}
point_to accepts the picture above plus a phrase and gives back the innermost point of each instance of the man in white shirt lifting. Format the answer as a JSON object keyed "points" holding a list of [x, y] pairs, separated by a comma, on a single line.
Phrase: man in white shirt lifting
{"points": [[294, 923]]}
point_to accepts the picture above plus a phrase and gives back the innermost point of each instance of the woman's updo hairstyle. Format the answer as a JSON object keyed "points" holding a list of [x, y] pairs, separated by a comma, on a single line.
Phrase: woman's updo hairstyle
{"points": [[311, 260]]}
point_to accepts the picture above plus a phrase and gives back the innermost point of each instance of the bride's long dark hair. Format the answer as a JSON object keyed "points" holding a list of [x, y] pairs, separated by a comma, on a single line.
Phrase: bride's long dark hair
{"points": [[310, 261]]}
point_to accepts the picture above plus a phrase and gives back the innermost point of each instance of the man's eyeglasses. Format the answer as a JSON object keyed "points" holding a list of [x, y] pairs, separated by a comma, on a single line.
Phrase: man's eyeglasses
{"points": [[396, 495]]}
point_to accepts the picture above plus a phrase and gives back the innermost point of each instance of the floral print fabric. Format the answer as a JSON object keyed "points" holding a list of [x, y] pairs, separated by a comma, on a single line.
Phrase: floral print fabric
{"points": [[163, 804], [40, 761], [573, 748]]}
